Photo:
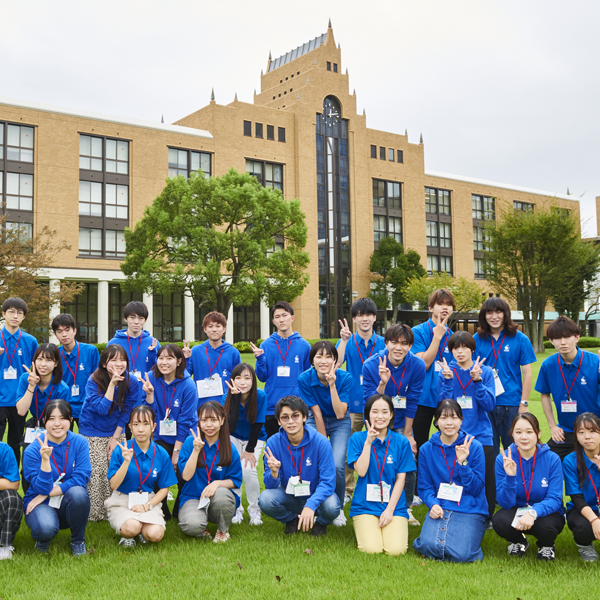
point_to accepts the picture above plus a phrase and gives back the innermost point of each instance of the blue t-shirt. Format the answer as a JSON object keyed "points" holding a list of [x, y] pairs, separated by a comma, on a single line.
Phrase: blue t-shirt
{"points": [[583, 383], [19, 349], [572, 486], [355, 355], [395, 456], [243, 427], [9, 469], [313, 392], [507, 355], [82, 361], [154, 465], [40, 399]]}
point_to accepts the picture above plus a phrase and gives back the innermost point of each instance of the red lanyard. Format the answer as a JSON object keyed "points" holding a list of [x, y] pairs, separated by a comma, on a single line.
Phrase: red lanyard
{"points": [[6, 349], [496, 355], [359, 352], [209, 473], [66, 458], [595, 489], [37, 414], [168, 409], [142, 481], [447, 465], [380, 469], [443, 344], [132, 367], [574, 378], [399, 387], [298, 470], [528, 492], [210, 369], [288, 349], [464, 387], [74, 373]]}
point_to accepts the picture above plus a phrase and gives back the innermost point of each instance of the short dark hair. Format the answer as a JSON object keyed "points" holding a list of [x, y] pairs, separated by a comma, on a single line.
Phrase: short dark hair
{"points": [[396, 332], [17, 303], [145, 411], [177, 352], [63, 406], [293, 403], [137, 308], [447, 408], [462, 338], [63, 320], [531, 419], [323, 345], [369, 404], [364, 306], [51, 351], [562, 327], [214, 317], [284, 306], [441, 296], [491, 305]]}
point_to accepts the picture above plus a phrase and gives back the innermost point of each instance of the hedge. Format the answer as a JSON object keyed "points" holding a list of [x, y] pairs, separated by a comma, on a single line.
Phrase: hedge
{"points": [[584, 342]]}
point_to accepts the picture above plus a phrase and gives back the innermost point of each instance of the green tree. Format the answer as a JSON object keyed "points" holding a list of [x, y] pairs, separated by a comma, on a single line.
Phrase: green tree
{"points": [[215, 240], [393, 268]]}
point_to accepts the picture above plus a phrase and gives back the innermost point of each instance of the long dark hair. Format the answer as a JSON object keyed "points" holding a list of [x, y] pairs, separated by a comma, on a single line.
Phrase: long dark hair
{"points": [[212, 408], [63, 406], [586, 420], [369, 405], [495, 304], [251, 407], [176, 352], [51, 352], [102, 377]]}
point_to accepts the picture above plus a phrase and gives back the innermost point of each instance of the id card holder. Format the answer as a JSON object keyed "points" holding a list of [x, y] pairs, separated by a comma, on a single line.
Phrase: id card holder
{"points": [[399, 402], [204, 502], [283, 371], [167, 427], [74, 390], [211, 386], [361, 380], [568, 406], [10, 373], [466, 402], [136, 498], [302, 489], [291, 485], [498, 383], [136, 373], [520, 512], [450, 491], [55, 501], [438, 367], [374, 492], [31, 433]]}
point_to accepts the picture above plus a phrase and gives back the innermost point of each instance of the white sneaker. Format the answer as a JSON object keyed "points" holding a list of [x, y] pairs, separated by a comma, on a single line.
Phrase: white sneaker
{"points": [[238, 517], [340, 520], [411, 519], [416, 501], [6, 552], [256, 518]]}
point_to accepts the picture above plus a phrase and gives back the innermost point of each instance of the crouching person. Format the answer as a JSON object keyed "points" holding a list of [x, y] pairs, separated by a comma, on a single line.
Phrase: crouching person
{"points": [[299, 473], [11, 504]]}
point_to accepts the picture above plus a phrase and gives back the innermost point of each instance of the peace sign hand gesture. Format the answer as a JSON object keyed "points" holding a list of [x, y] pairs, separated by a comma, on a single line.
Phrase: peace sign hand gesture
{"points": [[439, 331], [115, 378], [272, 463], [187, 351], [330, 377], [153, 345], [345, 332], [510, 466], [126, 452], [233, 387], [384, 372], [596, 460], [476, 370], [372, 433], [257, 351], [462, 451], [446, 370], [45, 450], [198, 441], [147, 386], [33, 378]]}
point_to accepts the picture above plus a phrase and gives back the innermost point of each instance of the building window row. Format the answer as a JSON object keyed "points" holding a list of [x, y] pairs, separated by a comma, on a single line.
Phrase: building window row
{"points": [[290, 77], [437, 202], [16, 142], [523, 206], [438, 264], [479, 270], [439, 235], [387, 194], [483, 207], [335, 66], [479, 239], [185, 162], [384, 226], [259, 130], [268, 174], [103, 154], [389, 154]]}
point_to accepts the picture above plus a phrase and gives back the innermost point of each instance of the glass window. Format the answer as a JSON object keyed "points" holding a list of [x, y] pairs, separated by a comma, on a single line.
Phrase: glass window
{"points": [[446, 264], [393, 192], [395, 225], [479, 239], [270, 132], [558, 210], [268, 174], [246, 322], [437, 201], [328, 66], [248, 128], [444, 202], [258, 130], [523, 206], [90, 198], [22, 231], [255, 168], [19, 143], [381, 153], [114, 243], [84, 309], [90, 242], [433, 264], [379, 193], [432, 233], [387, 193], [19, 191], [1, 141], [281, 134], [117, 201], [430, 201], [117, 156], [479, 272], [483, 207], [379, 227], [168, 317], [445, 235], [185, 162], [391, 154], [373, 151], [90, 153], [400, 156], [335, 67]]}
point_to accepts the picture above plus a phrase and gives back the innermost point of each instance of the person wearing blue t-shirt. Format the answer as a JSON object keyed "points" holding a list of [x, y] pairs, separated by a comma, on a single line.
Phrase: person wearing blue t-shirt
{"points": [[354, 349], [79, 360], [11, 504], [211, 467], [212, 362], [581, 471], [510, 354], [381, 458], [134, 509], [280, 360], [245, 405], [572, 380], [16, 350]]}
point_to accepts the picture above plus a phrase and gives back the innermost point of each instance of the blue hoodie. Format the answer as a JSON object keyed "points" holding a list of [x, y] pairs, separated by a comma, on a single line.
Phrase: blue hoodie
{"points": [[313, 456], [295, 350], [572, 485], [180, 396], [475, 420], [83, 361], [546, 487], [140, 358], [433, 471], [222, 361]]}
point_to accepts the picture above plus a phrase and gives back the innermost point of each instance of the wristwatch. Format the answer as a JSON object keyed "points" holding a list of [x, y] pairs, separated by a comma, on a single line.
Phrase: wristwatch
{"points": [[525, 403], [463, 463], [533, 513]]}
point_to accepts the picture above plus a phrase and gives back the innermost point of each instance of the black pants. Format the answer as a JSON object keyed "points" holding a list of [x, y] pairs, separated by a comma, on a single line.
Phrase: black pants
{"points": [[422, 424], [180, 483], [581, 527], [16, 429], [564, 449], [490, 478], [544, 529], [271, 425]]}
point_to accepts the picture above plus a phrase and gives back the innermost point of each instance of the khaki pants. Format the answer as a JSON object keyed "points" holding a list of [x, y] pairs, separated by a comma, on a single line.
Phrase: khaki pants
{"points": [[391, 539], [356, 425]]}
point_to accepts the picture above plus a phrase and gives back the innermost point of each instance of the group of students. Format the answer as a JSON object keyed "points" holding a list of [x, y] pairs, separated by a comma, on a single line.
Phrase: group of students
{"points": [[329, 435]]}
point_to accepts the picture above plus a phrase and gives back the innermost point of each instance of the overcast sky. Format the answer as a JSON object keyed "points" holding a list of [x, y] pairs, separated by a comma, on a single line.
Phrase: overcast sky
{"points": [[506, 91]]}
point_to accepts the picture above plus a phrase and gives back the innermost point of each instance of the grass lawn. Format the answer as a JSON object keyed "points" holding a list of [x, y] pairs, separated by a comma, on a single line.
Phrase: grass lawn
{"points": [[260, 562]]}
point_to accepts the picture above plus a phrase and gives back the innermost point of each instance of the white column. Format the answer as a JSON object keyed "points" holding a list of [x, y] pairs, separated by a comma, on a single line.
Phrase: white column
{"points": [[147, 300], [229, 330], [189, 311], [102, 312], [55, 308], [265, 320]]}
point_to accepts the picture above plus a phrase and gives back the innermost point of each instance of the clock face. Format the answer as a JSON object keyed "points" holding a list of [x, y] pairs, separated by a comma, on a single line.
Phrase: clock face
{"points": [[331, 110]]}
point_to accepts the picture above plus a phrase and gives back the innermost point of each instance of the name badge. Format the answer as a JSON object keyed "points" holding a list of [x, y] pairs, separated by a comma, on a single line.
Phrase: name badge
{"points": [[302, 489], [31, 433], [520, 512], [55, 501], [136, 498], [450, 491], [167, 427], [374, 492], [283, 371], [74, 390], [10, 373], [438, 367], [292, 482], [399, 402], [361, 380], [204, 502], [568, 406], [136, 373], [211, 386], [466, 402], [498, 383]]}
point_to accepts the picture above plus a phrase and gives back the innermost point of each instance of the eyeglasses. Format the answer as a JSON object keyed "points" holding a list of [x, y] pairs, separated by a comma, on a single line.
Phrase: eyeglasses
{"points": [[294, 416], [12, 312]]}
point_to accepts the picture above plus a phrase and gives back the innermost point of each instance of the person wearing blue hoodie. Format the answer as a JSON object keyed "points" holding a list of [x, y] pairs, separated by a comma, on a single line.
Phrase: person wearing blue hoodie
{"points": [[280, 361], [529, 488], [211, 362], [451, 484], [11, 504], [57, 467], [471, 384], [299, 473]]}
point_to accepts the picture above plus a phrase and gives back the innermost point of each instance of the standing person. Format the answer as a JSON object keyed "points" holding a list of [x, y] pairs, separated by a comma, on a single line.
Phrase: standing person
{"points": [[400, 375], [572, 378], [378, 508], [212, 362], [57, 467], [246, 407], [134, 509], [510, 354], [280, 360], [326, 391], [471, 384], [208, 494], [451, 484], [17, 350], [11, 504], [299, 473], [169, 390], [354, 350], [529, 488], [79, 360], [110, 395]]}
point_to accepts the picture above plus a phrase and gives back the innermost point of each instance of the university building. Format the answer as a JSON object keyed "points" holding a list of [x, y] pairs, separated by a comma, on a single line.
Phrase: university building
{"points": [[76, 171]]}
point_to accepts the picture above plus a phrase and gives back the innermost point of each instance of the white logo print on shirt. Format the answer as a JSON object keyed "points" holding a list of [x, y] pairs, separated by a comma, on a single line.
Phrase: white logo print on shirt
{"points": [[583, 381], [20, 352], [224, 372], [390, 459], [176, 403], [81, 367], [155, 473], [297, 359], [506, 348], [219, 468], [544, 482], [308, 462]]}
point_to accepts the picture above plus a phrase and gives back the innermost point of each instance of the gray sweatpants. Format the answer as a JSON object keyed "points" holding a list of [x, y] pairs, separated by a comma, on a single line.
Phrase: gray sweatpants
{"points": [[221, 510]]}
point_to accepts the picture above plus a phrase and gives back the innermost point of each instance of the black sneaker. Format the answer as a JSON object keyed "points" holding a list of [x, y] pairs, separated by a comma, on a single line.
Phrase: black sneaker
{"points": [[546, 553], [518, 549], [318, 529], [291, 526]]}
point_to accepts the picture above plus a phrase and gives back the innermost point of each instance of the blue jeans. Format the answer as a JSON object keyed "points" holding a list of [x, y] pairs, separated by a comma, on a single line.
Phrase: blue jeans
{"points": [[501, 418], [285, 507], [45, 521], [410, 483], [338, 431], [456, 537]]}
